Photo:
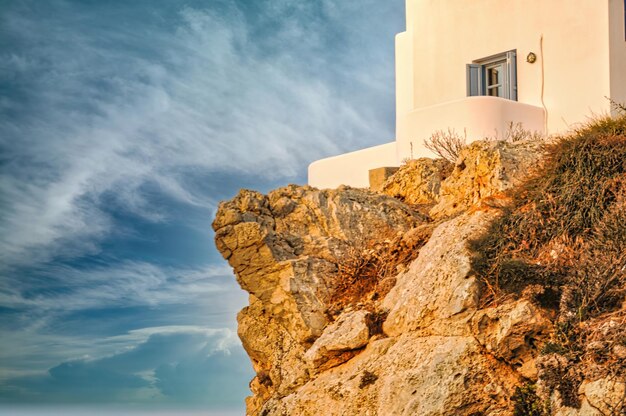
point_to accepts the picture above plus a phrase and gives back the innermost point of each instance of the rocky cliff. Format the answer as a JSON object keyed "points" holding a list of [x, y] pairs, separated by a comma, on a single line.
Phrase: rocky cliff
{"points": [[366, 303]]}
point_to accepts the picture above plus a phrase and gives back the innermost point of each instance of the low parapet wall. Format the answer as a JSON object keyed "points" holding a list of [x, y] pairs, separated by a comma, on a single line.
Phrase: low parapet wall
{"points": [[352, 168], [477, 117]]}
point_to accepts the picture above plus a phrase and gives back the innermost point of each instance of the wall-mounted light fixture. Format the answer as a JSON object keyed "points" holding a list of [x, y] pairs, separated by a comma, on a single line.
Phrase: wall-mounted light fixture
{"points": [[531, 58]]}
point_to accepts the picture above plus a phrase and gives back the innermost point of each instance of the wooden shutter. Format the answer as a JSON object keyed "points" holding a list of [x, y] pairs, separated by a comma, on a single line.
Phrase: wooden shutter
{"points": [[511, 61], [474, 80]]}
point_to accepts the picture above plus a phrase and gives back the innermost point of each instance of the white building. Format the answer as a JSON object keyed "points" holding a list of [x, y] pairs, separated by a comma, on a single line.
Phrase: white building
{"points": [[479, 65]]}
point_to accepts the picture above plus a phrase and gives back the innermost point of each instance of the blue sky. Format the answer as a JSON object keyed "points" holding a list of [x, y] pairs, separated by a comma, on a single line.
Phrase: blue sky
{"points": [[122, 125]]}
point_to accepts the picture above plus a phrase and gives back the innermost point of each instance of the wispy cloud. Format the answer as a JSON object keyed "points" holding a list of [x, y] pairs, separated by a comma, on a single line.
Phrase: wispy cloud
{"points": [[114, 108], [116, 114], [127, 284]]}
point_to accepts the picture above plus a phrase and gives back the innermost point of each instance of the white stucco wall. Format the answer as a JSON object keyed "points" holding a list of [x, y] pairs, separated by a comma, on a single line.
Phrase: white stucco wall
{"points": [[351, 168], [581, 54], [474, 117], [444, 35], [405, 98], [618, 51]]}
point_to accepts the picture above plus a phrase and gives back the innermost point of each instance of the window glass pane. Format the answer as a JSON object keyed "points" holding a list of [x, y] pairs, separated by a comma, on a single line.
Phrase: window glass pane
{"points": [[493, 75], [495, 91]]}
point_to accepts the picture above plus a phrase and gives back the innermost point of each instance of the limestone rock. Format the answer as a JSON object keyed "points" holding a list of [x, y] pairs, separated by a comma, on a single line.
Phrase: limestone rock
{"points": [[419, 343], [349, 332], [418, 181], [513, 332], [407, 375], [605, 396], [485, 169], [432, 363], [275, 354], [439, 283], [283, 248], [438, 353]]}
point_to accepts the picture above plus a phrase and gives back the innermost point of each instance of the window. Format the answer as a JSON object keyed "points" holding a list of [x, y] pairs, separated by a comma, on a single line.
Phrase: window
{"points": [[495, 76]]}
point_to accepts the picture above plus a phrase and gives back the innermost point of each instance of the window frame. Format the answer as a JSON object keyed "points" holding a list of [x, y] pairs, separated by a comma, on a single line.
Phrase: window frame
{"points": [[477, 75]]}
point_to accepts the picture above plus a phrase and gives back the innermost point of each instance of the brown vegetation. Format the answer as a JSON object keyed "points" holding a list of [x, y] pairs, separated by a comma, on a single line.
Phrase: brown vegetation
{"points": [[367, 271], [515, 132], [446, 144], [566, 233]]}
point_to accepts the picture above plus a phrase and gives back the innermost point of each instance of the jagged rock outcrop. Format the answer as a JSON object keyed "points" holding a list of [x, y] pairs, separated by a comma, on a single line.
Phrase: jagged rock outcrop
{"points": [[429, 345], [439, 284], [284, 248], [350, 332], [428, 361], [484, 169], [418, 182]]}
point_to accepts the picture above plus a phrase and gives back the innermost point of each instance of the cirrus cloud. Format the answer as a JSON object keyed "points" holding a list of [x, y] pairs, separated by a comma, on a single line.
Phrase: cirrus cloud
{"points": [[116, 107], [121, 126]]}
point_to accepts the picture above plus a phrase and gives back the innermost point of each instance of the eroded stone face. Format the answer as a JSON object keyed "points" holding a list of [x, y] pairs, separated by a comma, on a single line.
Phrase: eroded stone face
{"points": [[284, 248], [407, 375], [418, 182], [348, 333], [483, 170], [439, 283], [427, 347], [513, 332]]}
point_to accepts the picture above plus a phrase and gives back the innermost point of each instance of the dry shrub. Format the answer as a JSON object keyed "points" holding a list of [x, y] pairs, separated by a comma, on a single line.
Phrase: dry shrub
{"points": [[604, 340], [515, 132], [566, 231], [619, 107], [367, 271], [446, 144], [574, 201]]}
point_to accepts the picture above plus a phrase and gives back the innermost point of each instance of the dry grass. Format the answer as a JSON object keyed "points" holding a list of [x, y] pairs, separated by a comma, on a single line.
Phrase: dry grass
{"points": [[566, 232], [515, 132], [367, 271], [573, 206]]}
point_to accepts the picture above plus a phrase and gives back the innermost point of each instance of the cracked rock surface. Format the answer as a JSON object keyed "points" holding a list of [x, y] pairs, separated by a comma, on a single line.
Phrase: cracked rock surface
{"points": [[427, 346]]}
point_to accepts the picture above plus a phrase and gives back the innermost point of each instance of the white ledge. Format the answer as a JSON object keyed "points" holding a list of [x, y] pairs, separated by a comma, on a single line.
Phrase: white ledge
{"points": [[477, 117], [352, 168]]}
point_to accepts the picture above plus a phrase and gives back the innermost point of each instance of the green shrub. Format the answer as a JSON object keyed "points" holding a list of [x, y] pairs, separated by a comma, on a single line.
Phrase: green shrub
{"points": [[527, 403]]}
